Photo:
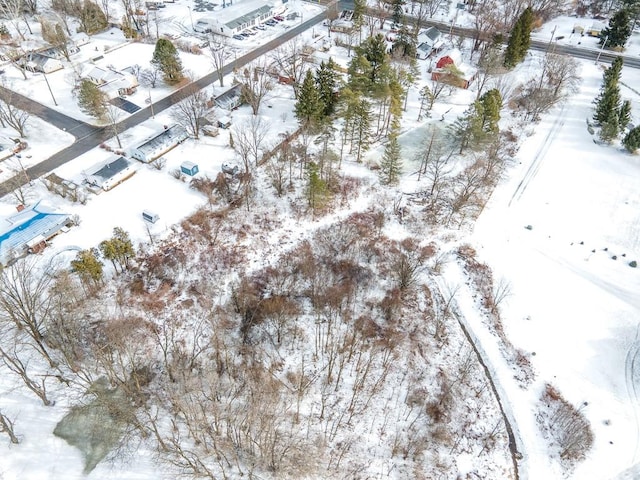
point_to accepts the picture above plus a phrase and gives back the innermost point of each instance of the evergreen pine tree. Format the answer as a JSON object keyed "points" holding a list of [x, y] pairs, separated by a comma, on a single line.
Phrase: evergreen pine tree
{"points": [[92, 18], [309, 109], [359, 10], [618, 31], [88, 267], [327, 83], [404, 44], [610, 128], [391, 164], [624, 115], [607, 103], [167, 59], [91, 99], [361, 127], [519, 40], [612, 74], [397, 11], [632, 140], [491, 105], [317, 188]]}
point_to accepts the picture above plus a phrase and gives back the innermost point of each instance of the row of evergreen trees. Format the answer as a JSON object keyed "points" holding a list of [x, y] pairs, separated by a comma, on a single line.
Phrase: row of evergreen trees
{"points": [[612, 114]]}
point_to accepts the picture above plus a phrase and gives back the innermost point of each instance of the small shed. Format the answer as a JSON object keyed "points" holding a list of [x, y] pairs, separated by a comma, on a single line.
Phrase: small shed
{"points": [[224, 122], [189, 168]]}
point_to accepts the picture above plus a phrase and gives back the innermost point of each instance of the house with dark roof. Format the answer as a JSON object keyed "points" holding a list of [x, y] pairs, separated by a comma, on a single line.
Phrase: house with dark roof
{"points": [[159, 144], [111, 174], [28, 231]]}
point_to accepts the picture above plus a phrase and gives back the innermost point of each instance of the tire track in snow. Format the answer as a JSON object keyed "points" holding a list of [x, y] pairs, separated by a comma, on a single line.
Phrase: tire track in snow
{"points": [[630, 379], [518, 455], [539, 157]]}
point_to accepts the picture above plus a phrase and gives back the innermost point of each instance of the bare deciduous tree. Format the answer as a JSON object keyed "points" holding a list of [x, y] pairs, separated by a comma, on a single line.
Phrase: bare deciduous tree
{"points": [[25, 302], [256, 84], [218, 51], [191, 110], [12, 11], [150, 76], [12, 115], [291, 62], [6, 426], [113, 115]]}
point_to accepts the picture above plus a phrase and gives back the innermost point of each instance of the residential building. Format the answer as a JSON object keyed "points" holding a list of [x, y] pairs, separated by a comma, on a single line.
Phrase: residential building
{"points": [[111, 174], [236, 17], [112, 82], [28, 231], [159, 144]]}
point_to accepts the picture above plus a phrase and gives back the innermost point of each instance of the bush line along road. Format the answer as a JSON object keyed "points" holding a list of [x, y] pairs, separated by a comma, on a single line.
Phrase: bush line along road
{"points": [[89, 136]]}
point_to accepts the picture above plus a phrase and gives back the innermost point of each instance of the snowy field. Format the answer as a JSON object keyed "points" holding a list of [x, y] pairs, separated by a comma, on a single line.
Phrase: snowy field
{"points": [[571, 302]]}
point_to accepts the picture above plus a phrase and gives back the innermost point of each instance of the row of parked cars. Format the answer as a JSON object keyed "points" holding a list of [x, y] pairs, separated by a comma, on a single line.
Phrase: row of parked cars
{"points": [[249, 32]]}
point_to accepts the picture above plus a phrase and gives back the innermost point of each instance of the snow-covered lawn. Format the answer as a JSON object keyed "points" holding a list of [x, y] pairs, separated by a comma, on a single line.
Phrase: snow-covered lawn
{"points": [[572, 303], [43, 140]]}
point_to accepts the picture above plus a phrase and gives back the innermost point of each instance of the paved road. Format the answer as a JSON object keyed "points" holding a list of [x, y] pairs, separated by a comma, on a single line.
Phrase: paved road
{"points": [[89, 136]]}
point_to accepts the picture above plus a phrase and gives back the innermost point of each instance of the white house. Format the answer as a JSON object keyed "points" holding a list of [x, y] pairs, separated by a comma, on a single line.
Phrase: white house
{"points": [[112, 82], [111, 174], [159, 144], [430, 36], [236, 17], [36, 62]]}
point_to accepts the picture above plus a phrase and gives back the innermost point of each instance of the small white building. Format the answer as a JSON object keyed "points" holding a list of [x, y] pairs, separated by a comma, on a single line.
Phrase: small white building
{"points": [[237, 17], [159, 144], [113, 83], [111, 174]]}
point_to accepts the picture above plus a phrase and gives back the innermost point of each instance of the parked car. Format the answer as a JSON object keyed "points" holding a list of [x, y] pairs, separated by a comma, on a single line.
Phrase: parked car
{"points": [[238, 37], [260, 27], [271, 23], [279, 18]]}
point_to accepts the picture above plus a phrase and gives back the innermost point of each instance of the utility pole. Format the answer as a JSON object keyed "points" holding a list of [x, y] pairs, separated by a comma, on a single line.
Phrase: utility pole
{"points": [[602, 49], [49, 87], [553, 34], [151, 105]]}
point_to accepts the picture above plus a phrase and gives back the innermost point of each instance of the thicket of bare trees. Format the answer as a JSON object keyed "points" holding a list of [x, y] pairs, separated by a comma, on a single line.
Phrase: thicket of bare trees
{"points": [[339, 339]]}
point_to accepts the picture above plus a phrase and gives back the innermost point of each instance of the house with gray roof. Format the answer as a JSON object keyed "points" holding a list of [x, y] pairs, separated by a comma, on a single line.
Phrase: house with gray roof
{"points": [[237, 17], [160, 143]]}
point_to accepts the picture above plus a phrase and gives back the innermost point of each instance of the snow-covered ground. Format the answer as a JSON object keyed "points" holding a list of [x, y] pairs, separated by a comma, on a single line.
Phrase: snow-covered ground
{"points": [[571, 302]]}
